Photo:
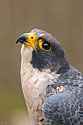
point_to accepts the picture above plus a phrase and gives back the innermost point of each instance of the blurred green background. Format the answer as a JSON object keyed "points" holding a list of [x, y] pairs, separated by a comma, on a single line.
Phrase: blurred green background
{"points": [[62, 18]]}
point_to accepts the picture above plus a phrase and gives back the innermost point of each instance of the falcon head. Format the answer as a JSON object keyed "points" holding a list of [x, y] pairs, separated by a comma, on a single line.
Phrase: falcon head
{"points": [[46, 52]]}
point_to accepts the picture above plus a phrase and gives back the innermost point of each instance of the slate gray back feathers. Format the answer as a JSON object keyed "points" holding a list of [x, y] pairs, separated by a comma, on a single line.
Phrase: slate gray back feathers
{"points": [[66, 108]]}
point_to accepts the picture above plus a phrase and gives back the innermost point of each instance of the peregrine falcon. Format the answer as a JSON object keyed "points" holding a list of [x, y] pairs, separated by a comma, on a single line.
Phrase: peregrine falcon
{"points": [[52, 88]]}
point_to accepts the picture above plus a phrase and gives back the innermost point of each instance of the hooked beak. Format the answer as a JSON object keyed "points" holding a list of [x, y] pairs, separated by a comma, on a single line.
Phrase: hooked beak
{"points": [[28, 39]]}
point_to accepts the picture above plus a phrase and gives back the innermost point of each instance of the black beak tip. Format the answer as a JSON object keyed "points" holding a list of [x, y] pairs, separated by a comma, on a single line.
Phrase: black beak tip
{"points": [[22, 39], [17, 41]]}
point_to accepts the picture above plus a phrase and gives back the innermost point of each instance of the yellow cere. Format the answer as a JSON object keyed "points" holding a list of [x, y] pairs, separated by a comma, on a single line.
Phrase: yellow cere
{"points": [[32, 37]]}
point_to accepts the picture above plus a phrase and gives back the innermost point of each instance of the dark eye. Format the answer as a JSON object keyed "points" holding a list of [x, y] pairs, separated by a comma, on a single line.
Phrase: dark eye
{"points": [[46, 45]]}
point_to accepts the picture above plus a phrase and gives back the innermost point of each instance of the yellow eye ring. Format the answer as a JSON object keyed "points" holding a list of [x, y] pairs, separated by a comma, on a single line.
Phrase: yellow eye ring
{"points": [[45, 45]]}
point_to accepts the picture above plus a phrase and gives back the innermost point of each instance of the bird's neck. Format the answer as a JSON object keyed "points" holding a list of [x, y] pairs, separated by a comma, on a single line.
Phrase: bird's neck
{"points": [[33, 83]]}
